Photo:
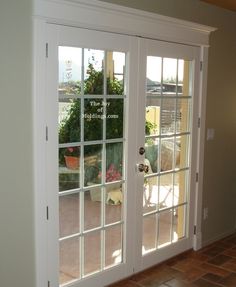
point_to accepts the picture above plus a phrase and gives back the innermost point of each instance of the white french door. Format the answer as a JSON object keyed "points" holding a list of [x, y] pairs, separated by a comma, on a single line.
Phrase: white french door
{"points": [[167, 145], [120, 165], [91, 104]]}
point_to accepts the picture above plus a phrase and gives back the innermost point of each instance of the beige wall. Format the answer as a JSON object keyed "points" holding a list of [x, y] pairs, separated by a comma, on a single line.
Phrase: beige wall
{"points": [[16, 179], [16, 192], [219, 193]]}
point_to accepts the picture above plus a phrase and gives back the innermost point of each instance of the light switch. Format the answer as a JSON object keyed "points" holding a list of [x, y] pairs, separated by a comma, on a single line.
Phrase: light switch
{"points": [[210, 134]]}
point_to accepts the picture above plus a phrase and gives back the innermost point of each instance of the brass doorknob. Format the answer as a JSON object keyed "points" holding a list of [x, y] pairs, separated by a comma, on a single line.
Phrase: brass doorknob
{"points": [[141, 150], [143, 168]]}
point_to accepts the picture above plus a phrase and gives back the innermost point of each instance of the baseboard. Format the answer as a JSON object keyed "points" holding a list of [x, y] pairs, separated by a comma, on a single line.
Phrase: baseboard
{"points": [[218, 237], [197, 241]]}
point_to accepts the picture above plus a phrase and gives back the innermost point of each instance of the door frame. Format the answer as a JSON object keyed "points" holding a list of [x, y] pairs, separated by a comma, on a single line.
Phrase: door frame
{"points": [[101, 16]]}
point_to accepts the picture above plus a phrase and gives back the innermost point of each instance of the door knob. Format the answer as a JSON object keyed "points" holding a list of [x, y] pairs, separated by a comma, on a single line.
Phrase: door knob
{"points": [[143, 168], [141, 150]]}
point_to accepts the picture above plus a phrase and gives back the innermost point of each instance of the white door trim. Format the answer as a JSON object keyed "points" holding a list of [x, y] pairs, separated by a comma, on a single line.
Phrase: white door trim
{"points": [[112, 18]]}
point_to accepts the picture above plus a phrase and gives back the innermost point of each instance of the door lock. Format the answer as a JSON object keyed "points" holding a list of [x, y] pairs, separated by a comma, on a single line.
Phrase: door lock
{"points": [[143, 168]]}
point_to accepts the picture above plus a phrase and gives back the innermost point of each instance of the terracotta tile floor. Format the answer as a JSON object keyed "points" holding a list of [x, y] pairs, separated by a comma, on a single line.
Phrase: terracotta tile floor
{"points": [[212, 266]]}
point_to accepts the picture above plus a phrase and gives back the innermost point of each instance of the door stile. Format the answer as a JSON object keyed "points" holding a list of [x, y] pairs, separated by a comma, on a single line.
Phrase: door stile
{"points": [[51, 155], [140, 131]]}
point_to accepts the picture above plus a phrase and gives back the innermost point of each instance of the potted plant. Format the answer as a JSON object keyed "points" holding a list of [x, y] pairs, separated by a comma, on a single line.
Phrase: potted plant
{"points": [[72, 157]]}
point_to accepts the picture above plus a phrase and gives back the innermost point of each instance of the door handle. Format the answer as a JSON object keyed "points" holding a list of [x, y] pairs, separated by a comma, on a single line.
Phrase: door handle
{"points": [[143, 168], [141, 150]]}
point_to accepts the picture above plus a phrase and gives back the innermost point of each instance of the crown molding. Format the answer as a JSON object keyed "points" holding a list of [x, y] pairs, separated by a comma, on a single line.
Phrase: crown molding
{"points": [[93, 14]]}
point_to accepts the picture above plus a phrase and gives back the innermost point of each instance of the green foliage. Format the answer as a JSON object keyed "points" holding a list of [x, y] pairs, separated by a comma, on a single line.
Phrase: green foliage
{"points": [[94, 82], [149, 127], [70, 130]]}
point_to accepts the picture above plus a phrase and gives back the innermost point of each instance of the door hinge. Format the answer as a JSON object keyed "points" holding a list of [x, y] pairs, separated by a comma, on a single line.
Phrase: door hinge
{"points": [[46, 50], [47, 213], [46, 135], [201, 66], [195, 230], [199, 122], [197, 176]]}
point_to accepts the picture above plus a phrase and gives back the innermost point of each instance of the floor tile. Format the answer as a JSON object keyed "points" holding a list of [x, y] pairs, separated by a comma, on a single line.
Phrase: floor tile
{"points": [[204, 283], [232, 240], [213, 251], [184, 265], [156, 280], [212, 277], [230, 252], [178, 283], [197, 256], [230, 265], [213, 266], [156, 271], [194, 273], [125, 283], [219, 259], [214, 269], [229, 281]]}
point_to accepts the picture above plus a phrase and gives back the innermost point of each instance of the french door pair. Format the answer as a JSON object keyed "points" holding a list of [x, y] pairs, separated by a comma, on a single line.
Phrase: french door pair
{"points": [[120, 153]]}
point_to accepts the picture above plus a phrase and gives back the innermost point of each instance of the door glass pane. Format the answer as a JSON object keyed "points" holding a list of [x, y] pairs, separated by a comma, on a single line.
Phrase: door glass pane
{"points": [[69, 214], [151, 154], [115, 73], [167, 154], [114, 203], [180, 187], [153, 116], [179, 223], [69, 116], [93, 114], [150, 194], [113, 246], [168, 116], [91, 127], [93, 71], [69, 256], [92, 252], [182, 115], [169, 76], [149, 233], [92, 205], [69, 168], [70, 65], [166, 191], [114, 118], [114, 161], [92, 164], [182, 151], [154, 75], [165, 224]]}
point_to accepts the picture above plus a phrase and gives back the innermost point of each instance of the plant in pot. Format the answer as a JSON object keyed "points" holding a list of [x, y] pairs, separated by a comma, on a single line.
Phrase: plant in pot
{"points": [[72, 157]]}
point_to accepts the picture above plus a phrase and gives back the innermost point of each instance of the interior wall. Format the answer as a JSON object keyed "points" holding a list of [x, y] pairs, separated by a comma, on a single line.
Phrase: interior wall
{"points": [[16, 180], [17, 268], [219, 164]]}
